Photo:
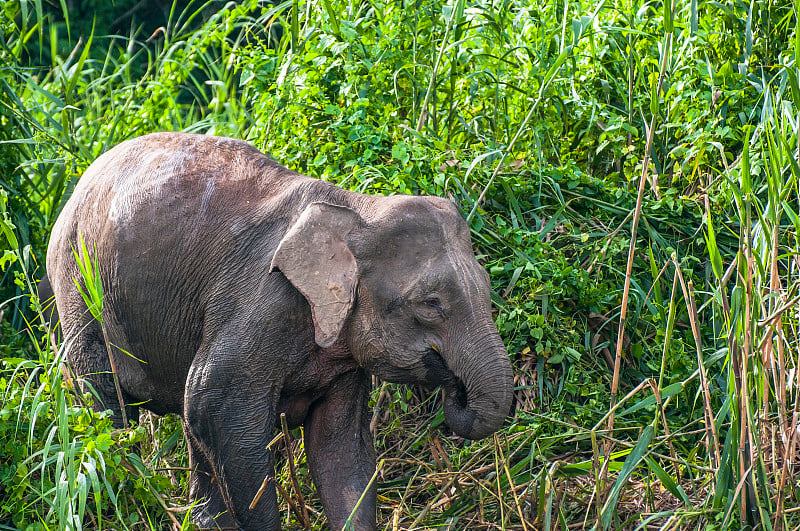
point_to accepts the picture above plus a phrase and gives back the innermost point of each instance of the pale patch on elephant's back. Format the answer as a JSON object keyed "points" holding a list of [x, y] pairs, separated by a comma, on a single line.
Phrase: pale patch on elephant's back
{"points": [[142, 168], [211, 186], [139, 180]]}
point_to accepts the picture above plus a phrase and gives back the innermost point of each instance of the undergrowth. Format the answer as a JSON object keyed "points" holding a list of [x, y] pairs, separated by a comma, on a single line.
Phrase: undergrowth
{"points": [[656, 375]]}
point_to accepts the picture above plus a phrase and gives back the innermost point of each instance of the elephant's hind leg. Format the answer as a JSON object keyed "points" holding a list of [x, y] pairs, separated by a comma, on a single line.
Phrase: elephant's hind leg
{"points": [[88, 360]]}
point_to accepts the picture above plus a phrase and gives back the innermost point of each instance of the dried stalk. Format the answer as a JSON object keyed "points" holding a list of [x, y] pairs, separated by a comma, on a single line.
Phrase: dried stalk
{"points": [[632, 249], [663, 417], [711, 428], [424, 512], [114, 375], [510, 482], [301, 515], [293, 474], [260, 491]]}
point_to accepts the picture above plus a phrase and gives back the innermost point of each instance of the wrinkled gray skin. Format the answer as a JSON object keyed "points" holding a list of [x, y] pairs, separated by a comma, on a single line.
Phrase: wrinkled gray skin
{"points": [[248, 290]]}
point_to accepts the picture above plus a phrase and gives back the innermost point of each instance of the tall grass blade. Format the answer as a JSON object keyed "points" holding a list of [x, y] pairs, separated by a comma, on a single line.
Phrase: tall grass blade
{"points": [[631, 462]]}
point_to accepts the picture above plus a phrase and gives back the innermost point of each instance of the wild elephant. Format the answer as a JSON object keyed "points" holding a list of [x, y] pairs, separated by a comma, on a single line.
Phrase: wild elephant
{"points": [[237, 290]]}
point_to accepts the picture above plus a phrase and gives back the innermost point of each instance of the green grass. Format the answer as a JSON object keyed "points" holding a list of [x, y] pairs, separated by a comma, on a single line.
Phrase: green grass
{"points": [[620, 162]]}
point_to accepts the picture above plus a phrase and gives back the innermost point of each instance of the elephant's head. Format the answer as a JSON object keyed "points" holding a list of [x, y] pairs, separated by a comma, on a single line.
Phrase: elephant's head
{"points": [[400, 285]]}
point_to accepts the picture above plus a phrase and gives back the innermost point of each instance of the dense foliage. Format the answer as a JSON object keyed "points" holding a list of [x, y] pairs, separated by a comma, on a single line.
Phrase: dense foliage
{"points": [[656, 376]]}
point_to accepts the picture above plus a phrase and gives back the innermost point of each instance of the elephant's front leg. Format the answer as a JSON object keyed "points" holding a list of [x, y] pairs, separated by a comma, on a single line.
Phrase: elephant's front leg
{"points": [[340, 453], [229, 424]]}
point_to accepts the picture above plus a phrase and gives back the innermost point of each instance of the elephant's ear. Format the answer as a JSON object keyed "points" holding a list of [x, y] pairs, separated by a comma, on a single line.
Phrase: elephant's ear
{"points": [[314, 256]]}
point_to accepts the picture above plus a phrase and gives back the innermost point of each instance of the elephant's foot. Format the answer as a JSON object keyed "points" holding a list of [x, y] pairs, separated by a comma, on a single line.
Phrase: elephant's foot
{"points": [[205, 517]]}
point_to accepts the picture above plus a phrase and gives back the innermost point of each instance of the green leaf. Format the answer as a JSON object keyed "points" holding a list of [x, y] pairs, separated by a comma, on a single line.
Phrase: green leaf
{"points": [[668, 14], [7, 258], [713, 251], [668, 391], [748, 34], [726, 474], [400, 153], [670, 484], [90, 274], [791, 77], [78, 71], [333, 18], [103, 441], [654, 275], [631, 462], [295, 31], [654, 102]]}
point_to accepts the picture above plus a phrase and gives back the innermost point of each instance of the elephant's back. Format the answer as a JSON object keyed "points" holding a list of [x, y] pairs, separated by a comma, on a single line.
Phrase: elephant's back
{"points": [[157, 186], [165, 167]]}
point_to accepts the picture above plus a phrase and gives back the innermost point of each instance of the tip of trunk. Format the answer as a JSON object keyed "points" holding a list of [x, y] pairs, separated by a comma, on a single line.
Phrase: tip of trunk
{"points": [[476, 417]]}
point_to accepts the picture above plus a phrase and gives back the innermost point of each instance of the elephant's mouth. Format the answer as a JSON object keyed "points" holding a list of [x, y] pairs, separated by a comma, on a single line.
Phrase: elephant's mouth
{"points": [[457, 393], [439, 374]]}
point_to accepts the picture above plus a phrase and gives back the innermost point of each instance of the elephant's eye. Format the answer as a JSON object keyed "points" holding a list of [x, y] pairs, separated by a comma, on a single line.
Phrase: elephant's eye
{"points": [[429, 310], [434, 302]]}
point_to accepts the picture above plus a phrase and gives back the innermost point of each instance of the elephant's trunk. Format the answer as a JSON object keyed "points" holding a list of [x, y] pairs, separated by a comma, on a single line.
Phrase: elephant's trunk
{"points": [[478, 403]]}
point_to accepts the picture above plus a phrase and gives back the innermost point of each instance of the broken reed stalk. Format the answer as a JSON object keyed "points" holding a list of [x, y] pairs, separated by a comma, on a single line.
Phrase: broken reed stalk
{"points": [[292, 504], [260, 491], [293, 474], [396, 518], [596, 490], [424, 512], [497, 482], [632, 249], [510, 482], [114, 375], [667, 341], [661, 415], [711, 429], [267, 478]]}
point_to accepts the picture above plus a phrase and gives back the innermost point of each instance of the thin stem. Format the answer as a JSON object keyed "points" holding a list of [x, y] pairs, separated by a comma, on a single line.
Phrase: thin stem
{"points": [[632, 250]]}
